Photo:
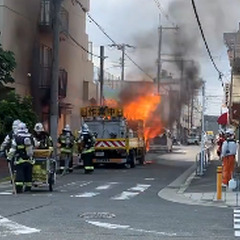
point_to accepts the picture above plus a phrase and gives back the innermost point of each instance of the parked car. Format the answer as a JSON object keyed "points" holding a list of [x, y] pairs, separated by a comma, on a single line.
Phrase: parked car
{"points": [[163, 142], [193, 139]]}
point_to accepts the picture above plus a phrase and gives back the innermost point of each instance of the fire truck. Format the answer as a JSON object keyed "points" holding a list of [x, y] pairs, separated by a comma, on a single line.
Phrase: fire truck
{"points": [[118, 140]]}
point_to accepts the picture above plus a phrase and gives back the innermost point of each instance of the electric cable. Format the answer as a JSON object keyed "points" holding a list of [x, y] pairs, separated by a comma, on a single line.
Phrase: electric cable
{"points": [[111, 39], [83, 48], [205, 41], [164, 12]]}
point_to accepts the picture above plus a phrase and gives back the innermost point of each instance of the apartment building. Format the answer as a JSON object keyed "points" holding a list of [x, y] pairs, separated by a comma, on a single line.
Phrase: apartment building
{"points": [[232, 41], [26, 29]]}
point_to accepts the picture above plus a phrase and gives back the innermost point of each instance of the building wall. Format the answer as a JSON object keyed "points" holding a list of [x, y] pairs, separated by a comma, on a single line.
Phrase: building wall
{"points": [[20, 33], [18, 30]]}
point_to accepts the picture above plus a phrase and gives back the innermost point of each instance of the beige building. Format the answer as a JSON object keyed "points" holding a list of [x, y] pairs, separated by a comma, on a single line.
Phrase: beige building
{"points": [[232, 41], [26, 29]]}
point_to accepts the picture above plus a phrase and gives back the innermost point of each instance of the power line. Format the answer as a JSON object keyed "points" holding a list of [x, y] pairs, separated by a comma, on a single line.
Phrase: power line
{"points": [[83, 48], [205, 41], [164, 12], [111, 39]]}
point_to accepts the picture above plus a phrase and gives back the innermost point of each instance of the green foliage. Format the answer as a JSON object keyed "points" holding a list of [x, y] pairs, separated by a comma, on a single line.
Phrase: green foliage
{"points": [[7, 66], [14, 107]]}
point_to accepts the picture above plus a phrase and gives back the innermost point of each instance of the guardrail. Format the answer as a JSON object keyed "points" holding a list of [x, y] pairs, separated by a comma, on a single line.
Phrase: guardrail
{"points": [[201, 165]]}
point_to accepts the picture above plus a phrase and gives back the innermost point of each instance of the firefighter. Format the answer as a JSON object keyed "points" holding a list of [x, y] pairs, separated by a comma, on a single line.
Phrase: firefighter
{"points": [[42, 138], [229, 149], [86, 143], [6, 145], [66, 141], [22, 150]]}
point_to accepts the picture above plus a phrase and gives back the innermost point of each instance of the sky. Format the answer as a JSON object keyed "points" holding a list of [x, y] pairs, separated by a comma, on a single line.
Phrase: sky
{"points": [[136, 22]]}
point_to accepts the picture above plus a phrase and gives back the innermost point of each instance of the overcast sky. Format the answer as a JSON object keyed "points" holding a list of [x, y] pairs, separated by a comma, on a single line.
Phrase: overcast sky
{"points": [[136, 22]]}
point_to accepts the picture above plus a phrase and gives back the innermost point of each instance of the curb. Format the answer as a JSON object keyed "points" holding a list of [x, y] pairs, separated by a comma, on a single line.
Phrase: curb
{"points": [[174, 192]]}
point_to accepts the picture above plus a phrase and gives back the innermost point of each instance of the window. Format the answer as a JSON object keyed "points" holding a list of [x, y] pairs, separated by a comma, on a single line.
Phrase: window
{"points": [[85, 90], [45, 12]]}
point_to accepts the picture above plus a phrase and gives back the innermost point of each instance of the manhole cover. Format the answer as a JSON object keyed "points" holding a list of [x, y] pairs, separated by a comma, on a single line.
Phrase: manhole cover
{"points": [[97, 215]]}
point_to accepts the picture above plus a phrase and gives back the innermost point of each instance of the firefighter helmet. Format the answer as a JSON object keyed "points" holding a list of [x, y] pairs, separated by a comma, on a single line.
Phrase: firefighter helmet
{"points": [[67, 128], [15, 125], [22, 128], [38, 128]]}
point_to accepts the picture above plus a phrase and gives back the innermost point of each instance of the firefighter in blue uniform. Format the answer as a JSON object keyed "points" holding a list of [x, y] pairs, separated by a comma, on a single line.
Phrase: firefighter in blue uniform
{"points": [[42, 139], [66, 141], [86, 144], [22, 152], [6, 144]]}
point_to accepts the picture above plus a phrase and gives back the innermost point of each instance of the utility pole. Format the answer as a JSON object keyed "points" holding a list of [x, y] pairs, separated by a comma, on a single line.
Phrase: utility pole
{"points": [[101, 75], [122, 47], [192, 106], [203, 130], [55, 74], [159, 61]]}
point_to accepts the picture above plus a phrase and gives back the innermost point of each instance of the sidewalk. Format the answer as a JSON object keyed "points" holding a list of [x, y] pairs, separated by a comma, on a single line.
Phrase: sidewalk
{"points": [[194, 190]]}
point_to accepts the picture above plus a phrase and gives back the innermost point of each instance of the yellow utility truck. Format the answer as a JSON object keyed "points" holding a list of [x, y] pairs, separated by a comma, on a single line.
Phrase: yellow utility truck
{"points": [[118, 140]]}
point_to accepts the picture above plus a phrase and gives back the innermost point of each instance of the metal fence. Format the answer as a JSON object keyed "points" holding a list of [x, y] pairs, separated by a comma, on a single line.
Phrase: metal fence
{"points": [[202, 164]]}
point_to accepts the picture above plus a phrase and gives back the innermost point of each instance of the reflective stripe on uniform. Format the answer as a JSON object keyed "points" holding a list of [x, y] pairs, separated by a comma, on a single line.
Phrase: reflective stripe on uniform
{"points": [[19, 183], [89, 167], [23, 161], [28, 184], [20, 147], [88, 150], [66, 150]]}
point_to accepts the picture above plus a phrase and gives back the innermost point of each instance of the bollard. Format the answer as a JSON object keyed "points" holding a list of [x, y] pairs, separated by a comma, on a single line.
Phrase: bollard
{"points": [[219, 183]]}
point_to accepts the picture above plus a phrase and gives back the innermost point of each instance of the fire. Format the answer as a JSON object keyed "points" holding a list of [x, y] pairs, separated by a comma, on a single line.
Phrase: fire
{"points": [[111, 103], [143, 108]]}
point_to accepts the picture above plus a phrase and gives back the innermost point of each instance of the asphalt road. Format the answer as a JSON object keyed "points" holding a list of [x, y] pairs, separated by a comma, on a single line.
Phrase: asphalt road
{"points": [[113, 203]]}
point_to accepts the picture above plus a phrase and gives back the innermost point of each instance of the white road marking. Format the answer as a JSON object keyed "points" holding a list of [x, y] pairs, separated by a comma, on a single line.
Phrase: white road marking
{"points": [[236, 226], [125, 195], [236, 222], [140, 187], [127, 227], [149, 179], [6, 193], [16, 228], [106, 186], [132, 192], [86, 195]]}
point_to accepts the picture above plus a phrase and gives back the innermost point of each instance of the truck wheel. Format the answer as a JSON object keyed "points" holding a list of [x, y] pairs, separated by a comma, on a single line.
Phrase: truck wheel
{"points": [[133, 159], [50, 182]]}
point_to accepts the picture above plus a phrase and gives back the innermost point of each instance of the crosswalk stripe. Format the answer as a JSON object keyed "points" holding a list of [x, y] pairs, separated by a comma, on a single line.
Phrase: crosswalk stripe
{"points": [[237, 234], [16, 228], [237, 215], [236, 210], [125, 195], [5, 193], [236, 226], [237, 220], [86, 195], [140, 187]]}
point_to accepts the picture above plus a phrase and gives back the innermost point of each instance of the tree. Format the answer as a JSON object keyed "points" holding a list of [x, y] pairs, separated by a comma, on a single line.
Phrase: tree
{"points": [[14, 107], [7, 66]]}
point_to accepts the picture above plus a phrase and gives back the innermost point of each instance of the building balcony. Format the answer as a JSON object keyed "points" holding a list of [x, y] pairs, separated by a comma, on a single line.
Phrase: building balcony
{"points": [[45, 81], [46, 18]]}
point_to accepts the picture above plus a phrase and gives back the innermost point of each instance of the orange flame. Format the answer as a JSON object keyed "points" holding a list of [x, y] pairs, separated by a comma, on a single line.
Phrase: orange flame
{"points": [[111, 103], [143, 108]]}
